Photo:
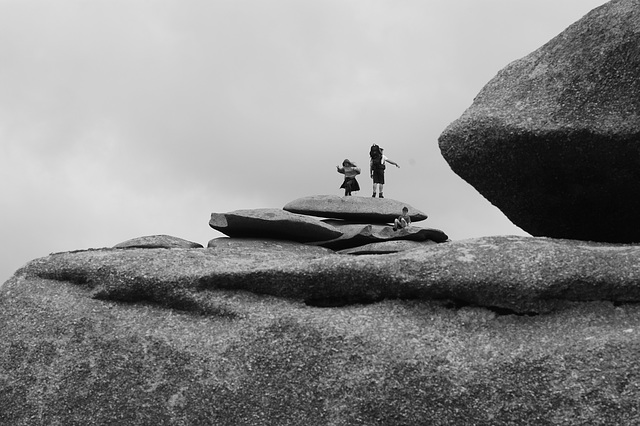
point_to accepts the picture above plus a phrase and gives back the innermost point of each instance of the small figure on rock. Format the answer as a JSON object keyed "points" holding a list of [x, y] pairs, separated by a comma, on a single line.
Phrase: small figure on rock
{"points": [[376, 168], [350, 171], [402, 221]]}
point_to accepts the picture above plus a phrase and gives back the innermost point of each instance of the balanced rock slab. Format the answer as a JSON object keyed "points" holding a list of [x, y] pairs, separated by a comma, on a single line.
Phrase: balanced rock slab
{"points": [[361, 209], [272, 224], [553, 140]]}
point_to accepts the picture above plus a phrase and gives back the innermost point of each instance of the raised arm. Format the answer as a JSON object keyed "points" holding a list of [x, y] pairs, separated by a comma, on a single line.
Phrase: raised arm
{"points": [[392, 162]]}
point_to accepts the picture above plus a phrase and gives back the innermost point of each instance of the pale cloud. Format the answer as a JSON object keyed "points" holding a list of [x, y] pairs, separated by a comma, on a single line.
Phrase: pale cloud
{"points": [[126, 118]]}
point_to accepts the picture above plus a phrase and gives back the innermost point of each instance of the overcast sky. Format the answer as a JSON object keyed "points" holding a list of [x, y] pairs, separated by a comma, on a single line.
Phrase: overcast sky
{"points": [[120, 119]]}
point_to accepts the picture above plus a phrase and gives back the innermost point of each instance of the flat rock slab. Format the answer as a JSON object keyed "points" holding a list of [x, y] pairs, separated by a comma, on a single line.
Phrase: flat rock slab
{"points": [[521, 274], [356, 235], [158, 241], [387, 247], [272, 224], [360, 209]]}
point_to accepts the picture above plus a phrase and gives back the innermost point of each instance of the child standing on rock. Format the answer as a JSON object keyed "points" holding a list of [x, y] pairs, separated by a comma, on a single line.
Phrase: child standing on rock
{"points": [[350, 171], [376, 168]]}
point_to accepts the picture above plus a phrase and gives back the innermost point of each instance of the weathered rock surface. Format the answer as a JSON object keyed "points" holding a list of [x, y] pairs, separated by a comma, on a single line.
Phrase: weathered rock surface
{"points": [[158, 241], [189, 348], [272, 224], [271, 248], [516, 273], [554, 139], [355, 235], [386, 247], [357, 209]]}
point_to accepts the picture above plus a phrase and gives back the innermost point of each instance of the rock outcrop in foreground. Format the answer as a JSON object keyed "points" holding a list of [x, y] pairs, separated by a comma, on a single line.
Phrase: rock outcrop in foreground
{"points": [[490, 331], [554, 139], [516, 274]]}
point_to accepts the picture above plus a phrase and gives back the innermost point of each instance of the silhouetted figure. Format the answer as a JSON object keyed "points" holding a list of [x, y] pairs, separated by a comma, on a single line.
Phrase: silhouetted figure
{"points": [[376, 168]]}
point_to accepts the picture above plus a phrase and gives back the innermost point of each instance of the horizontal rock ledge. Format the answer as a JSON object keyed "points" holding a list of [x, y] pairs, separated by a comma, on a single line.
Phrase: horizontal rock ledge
{"points": [[522, 274]]}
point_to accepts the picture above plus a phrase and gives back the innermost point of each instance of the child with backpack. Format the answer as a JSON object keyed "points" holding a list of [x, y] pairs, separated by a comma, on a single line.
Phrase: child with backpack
{"points": [[377, 167]]}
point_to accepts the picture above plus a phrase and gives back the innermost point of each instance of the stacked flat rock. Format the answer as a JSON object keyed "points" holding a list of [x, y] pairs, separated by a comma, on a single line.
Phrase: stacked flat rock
{"points": [[358, 209], [348, 223], [272, 223], [357, 235]]}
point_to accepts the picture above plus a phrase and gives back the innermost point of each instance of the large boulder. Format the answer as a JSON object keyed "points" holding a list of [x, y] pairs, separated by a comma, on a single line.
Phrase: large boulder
{"points": [[360, 209], [554, 139], [156, 336], [272, 224]]}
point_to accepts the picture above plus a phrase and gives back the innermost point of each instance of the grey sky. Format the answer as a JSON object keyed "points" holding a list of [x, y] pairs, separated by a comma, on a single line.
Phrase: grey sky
{"points": [[127, 118]]}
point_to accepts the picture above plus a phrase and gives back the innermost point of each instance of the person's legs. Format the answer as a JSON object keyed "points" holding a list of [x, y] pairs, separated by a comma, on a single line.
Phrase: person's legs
{"points": [[378, 181], [399, 223]]}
